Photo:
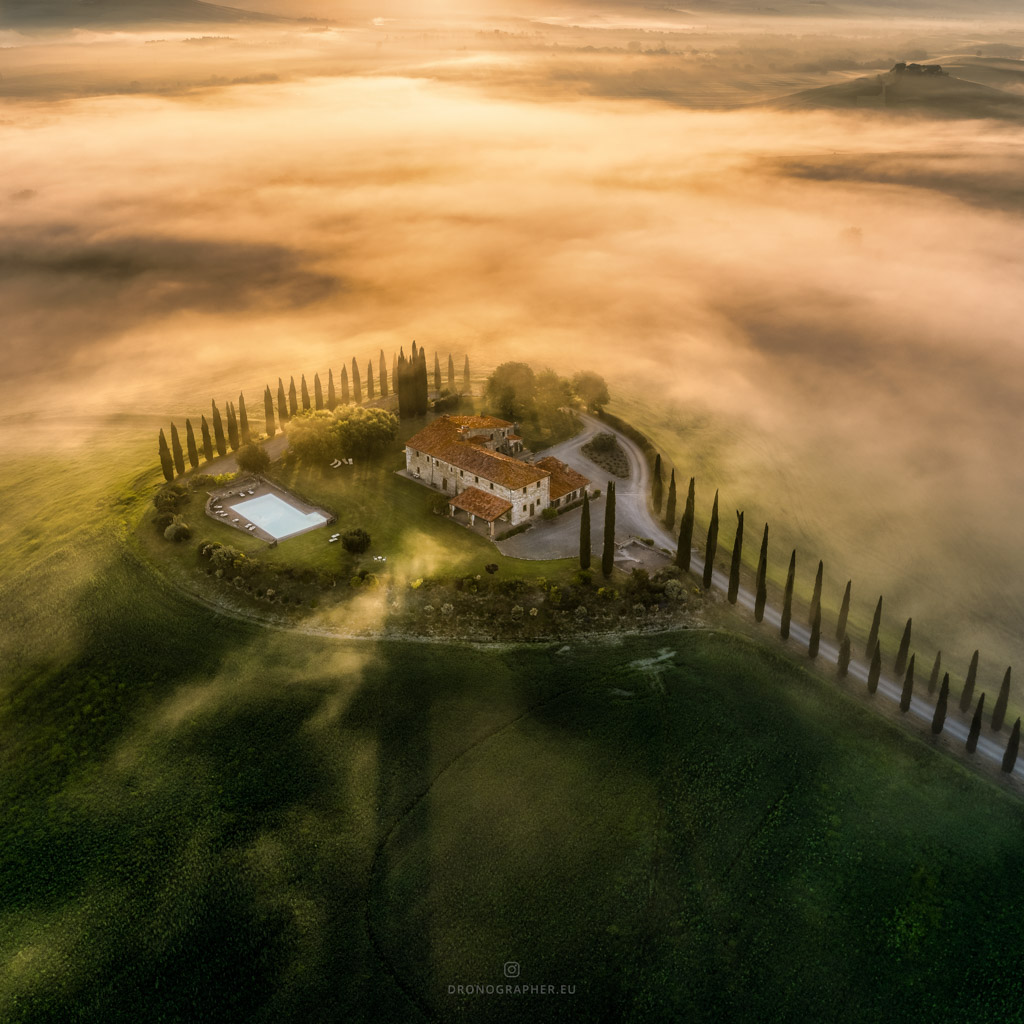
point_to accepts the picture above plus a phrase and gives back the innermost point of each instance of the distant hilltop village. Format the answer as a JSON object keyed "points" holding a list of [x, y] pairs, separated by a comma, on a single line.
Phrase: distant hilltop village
{"points": [[902, 67]]}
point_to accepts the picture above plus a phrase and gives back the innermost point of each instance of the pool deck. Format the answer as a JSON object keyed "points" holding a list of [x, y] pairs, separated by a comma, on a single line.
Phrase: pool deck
{"points": [[224, 499]]}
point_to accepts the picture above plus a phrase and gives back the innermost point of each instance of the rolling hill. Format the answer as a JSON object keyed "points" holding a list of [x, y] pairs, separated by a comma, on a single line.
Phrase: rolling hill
{"points": [[68, 13]]}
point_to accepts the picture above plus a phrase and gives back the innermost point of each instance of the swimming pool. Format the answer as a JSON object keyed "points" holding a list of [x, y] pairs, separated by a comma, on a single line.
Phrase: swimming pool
{"points": [[277, 517]]}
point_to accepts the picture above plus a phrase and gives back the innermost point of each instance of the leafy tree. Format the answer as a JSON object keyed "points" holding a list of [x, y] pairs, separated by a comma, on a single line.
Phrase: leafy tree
{"points": [[685, 543], [875, 670], [975, 730], [670, 504], [761, 595], [939, 718], [999, 711], [608, 550], [585, 533], [466, 386], [816, 595], [362, 432], [787, 600], [968, 692], [293, 399], [207, 443], [844, 612], [551, 392], [282, 403], [437, 371], [711, 547], [268, 412], [908, 686], [345, 399], [451, 374], [383, 374], [179, 458], [873, 633], [165, 458], [812, 647], [253, 458], [901, 654], [591, 389], [1012, 746], [232, 427], [243, 421], [844, 657], [190, 445], [318, 392], [511, 390], [355, 541], [218, 431], [305, 395], [332, 395], [734, 565], [657, 485], [357, 387], [936, 669], [311, 436]]}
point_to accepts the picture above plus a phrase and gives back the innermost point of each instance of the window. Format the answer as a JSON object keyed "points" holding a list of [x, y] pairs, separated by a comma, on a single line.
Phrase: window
{"points": [[524, 508], [492, 487], [476, 479]]}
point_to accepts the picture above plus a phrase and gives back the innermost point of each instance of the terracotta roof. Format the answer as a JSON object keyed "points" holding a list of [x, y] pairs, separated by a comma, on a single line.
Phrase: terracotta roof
{"points": [[563, 478], [480, 503], [441, 440], [477, 422]]}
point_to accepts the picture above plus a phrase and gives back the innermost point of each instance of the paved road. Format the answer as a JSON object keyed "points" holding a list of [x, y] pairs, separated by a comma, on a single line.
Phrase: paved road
{"points": [[633, 516]]}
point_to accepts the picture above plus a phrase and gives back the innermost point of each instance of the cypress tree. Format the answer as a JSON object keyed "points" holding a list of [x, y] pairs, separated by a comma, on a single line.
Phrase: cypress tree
{"points": [[908, 686], [268, 412], [975, 730], [875, 623], [437, 372], [608, 550], [232, 427], [422, 390], [179, 458], [370, 392], [282, 403], [318, 392], [293, 399], [685, 543], [218, 430], [585, 532], [357, 387], [936, 669], [401, 382], [207, 443], [190, 445], [901, 654], [812, 647], [787, 601], [305, 395], [999, 711], [670, 504], [1012, 746], [844, 612], [465, 377], [451, 374], [394, 373], [382, 373], [844, 657], [332, 395], [345, 399], [939, 718], [165, 458], [816, 595], [657, 485], [711, 548], [243, 421], [875, 671], [734, 565], [761, 596], [968, 693]]}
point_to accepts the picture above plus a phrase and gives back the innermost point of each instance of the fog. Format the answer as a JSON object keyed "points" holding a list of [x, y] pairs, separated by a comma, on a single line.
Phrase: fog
{"points": [[817, 311]]}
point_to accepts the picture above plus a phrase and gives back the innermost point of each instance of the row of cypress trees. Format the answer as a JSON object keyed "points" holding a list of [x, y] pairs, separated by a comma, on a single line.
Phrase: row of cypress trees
{"points": [[411, 385], [902, 666]]}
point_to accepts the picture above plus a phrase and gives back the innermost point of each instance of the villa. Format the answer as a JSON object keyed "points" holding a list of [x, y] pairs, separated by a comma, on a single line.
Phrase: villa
{"points": [[471, 458]]}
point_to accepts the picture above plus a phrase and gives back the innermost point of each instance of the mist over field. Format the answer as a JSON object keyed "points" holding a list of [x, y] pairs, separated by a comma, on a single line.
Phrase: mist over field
{"points": [[813, 307]]}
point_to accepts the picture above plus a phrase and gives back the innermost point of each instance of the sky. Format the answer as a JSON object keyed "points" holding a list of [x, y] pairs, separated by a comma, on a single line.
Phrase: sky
{"points": [[819, 308]]}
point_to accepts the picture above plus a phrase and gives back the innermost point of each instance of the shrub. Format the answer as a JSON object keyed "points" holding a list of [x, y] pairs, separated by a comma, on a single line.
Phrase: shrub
{"points": [[438, 504], [674, 590], [162, 520], [521, 528], [355, 541], [596, 492], [491, 568], [178, 530], [604, 443], [549, 513], [517, 612], [584, 578]]}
